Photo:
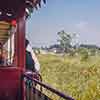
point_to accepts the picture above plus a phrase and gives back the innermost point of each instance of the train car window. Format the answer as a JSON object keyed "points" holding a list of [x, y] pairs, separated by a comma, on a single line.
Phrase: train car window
{"points": [[7, 33]]}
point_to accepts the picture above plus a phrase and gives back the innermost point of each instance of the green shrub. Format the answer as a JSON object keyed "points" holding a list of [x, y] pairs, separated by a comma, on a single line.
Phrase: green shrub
{"points": [[84, 54]]}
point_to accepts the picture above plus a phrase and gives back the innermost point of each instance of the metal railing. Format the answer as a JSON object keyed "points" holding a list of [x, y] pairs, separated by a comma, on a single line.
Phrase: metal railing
{"points": [[37, 90]]}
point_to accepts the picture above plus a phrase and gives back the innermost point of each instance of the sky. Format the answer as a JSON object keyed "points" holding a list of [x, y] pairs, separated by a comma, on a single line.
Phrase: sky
{"points": [[73, 16]]}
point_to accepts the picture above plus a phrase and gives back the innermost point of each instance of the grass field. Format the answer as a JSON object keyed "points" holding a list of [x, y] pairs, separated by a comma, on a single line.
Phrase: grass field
{"points": [[79, 79]]}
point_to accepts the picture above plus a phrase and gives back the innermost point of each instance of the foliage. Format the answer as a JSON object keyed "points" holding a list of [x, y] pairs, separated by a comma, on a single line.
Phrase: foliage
{"points": [[92, 52], [65, 40], [80, 80], [84, 53]]}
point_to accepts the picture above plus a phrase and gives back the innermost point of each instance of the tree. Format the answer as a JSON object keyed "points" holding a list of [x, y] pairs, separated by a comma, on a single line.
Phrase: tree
{"points": [[65, 40]]}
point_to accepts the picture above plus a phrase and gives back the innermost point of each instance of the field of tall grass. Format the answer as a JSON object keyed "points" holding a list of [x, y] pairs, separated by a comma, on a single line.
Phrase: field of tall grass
{"points": [[79, 79]]}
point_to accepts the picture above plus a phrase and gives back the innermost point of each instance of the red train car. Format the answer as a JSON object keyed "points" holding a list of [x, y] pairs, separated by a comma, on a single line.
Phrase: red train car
{"points": [[13, 15]]}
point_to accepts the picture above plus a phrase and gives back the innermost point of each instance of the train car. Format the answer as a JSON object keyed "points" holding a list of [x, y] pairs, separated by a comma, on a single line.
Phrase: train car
{"points": [[13, 15]]}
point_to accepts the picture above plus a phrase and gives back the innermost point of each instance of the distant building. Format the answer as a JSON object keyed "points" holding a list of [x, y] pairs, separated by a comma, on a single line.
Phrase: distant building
{"points": [[55, 49]]}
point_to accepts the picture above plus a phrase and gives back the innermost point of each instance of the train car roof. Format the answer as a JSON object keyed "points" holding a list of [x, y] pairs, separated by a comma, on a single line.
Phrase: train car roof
{"points": [[11, 8]]}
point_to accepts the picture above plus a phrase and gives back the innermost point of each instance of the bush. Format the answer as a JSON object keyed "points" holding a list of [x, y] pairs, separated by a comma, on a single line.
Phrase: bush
{"points": [[84, 54]]}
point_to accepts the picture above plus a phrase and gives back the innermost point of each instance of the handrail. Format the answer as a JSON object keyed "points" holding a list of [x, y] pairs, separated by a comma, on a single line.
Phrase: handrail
{"points": [[49, 88]]}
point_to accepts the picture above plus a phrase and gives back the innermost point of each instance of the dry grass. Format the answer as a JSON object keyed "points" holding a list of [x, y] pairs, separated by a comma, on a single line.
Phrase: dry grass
{"points": [[78, 79]]}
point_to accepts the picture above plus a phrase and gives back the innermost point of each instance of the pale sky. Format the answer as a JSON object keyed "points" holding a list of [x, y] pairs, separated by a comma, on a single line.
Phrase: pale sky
{"points": [[79, 16]]}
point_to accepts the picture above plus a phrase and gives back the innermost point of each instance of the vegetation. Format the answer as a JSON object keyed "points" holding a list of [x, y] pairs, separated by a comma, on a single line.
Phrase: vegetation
{"points": [[65, 40], [77, 78], [75, 71]]}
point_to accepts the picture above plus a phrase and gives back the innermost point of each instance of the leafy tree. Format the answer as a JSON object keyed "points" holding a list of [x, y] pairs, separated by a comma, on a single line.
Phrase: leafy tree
{"points": [[65, 40]]}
